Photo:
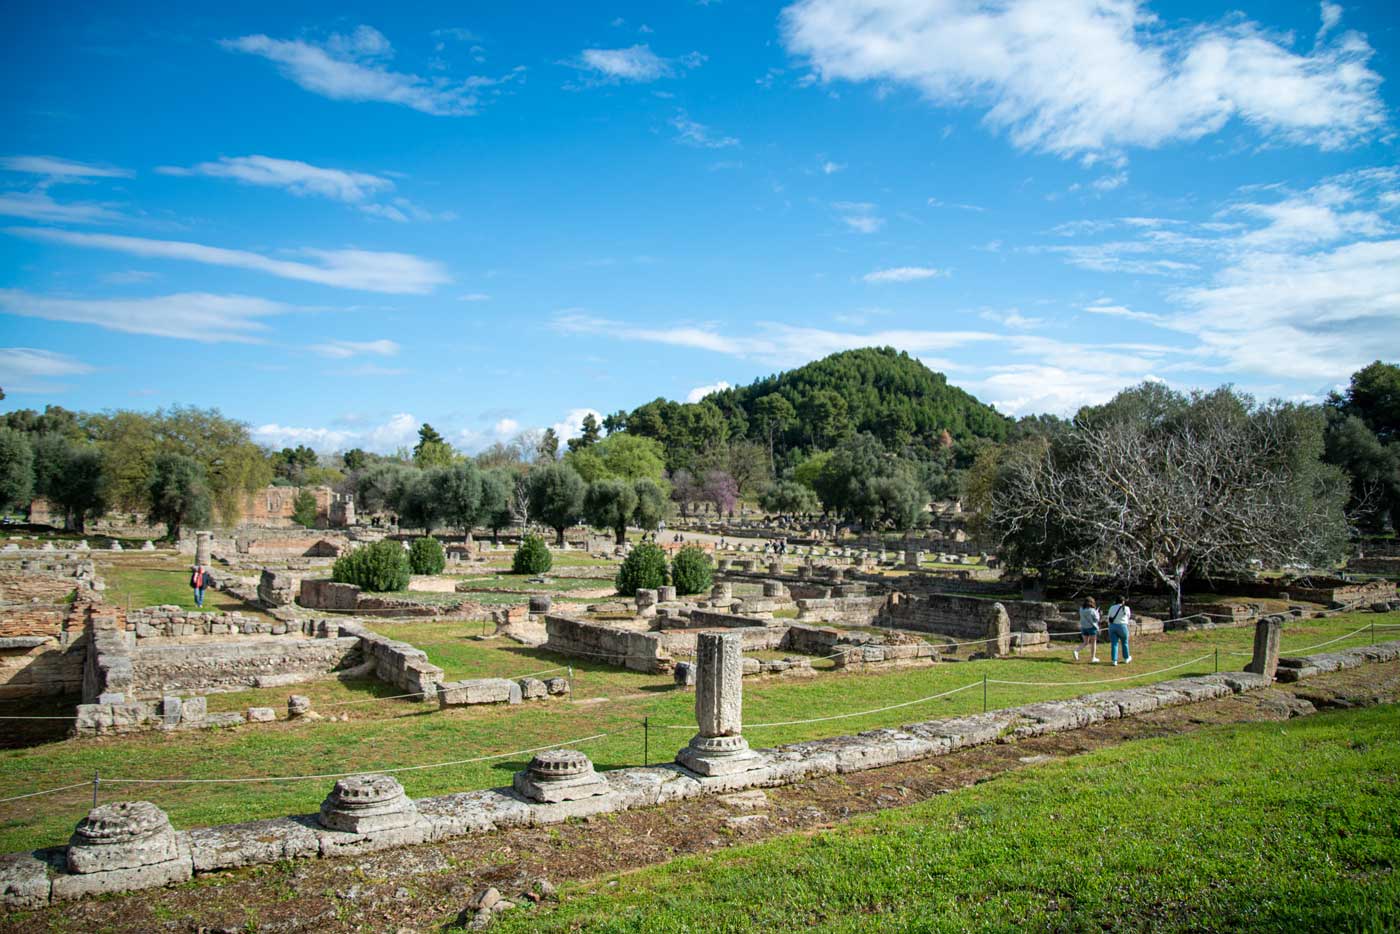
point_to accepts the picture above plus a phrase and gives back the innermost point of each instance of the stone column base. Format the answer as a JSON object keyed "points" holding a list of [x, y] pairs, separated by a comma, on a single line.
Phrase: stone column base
{"points": [[718, 755]]}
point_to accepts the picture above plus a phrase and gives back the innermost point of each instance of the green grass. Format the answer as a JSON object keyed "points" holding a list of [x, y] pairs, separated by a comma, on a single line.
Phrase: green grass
{"points": [[153, 581], [391, 733], [1261, 827]]}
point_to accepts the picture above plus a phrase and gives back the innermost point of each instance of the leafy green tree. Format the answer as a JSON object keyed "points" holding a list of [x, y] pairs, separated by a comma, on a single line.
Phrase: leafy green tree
{"points": [[304, 509], [900, 500], [497, 489], [355, 459], [178, 493], [425, 556], [773, 414], [691, 570], [590, 432], [71, 475], [16, 470], [291, 463], [810, 470], [1363, 438], [418, 506], [380, 488], [548, 449], [609, 504], [456, 494], [789, 497], [651, 504], [532, 556], [432, 450], [380, 567], [556, 497], [643, 568]]}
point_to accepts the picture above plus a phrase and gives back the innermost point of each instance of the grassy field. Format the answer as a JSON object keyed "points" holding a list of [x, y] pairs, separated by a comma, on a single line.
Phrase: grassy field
{"points": [[1281, 827], [386, 733], [154, 580]]}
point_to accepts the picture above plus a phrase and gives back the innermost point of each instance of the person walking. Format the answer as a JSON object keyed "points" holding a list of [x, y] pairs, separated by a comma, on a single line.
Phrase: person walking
{"points": [[1089, 630], [200, 580], [1118, 617]]}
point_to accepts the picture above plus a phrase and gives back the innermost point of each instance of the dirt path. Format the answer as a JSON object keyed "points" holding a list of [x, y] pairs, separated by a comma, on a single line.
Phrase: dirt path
{"points": [[419, 889]]}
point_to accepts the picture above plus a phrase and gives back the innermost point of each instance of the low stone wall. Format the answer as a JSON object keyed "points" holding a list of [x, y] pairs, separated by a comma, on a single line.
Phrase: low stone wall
{"points": [[173, 622], [217, 667], [758, 638], [857, 648], [323, 594], [37, 666], [639, 651], [398, 663], [855, 611], [965, 617], [709, 619], [1384, 566], [30, 881], [498, 691]]}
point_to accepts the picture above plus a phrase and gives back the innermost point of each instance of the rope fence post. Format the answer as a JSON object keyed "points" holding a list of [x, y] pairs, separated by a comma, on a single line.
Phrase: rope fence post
{"points": [[1373, 632], [1217, 659], [96, 780], [984, 692], [646, 742]]}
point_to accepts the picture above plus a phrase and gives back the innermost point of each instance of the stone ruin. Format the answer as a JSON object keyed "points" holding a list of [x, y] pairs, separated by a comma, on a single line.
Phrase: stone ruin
{"points": [[719, 748]]}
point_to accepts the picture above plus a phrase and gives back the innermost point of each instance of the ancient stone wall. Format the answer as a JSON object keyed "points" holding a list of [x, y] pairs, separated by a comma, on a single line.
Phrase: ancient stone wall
{"points": [[639, 651], [213, 667], [36, 666], [398, 663], [172, 622], [965, 617], [855, 611], [709, 619]]}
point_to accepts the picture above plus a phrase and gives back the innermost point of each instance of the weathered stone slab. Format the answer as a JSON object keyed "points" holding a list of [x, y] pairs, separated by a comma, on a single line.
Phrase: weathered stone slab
{"points": [[476, 691], [348, 843], [180, 868], [647, 786], [24, 881], [472, 812], [264, 841]]}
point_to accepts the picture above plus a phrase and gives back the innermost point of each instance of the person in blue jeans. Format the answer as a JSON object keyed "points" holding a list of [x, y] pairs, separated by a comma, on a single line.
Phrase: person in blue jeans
{"points": [[1118, 617], [199, 580]]}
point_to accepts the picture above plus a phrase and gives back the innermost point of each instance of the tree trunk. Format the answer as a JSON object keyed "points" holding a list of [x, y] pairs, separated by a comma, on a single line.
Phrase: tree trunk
{"points": [[1176, 596], [559, 535], [495, 536], [621, 535]]}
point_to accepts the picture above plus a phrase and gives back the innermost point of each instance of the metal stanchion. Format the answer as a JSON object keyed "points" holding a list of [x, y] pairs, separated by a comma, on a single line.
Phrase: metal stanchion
{"points": [[646, 741], [984, 693]]}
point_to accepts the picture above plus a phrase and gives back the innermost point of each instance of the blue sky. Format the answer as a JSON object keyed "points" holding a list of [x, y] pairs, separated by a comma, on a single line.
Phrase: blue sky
{"points": [[496, 217]]}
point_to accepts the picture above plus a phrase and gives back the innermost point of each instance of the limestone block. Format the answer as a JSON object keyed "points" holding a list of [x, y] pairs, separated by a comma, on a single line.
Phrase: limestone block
{"points": [[531, 688], [24, 881], [476, 691], [367, 804], [194, 710], [298, 705], [170, 710], [666, 594], [178, 869], [684, 674], [540, 603], [1267, 634], [475, 811], [261, 715], [556, 775], [121, 835], [556, 686], [263, 841]]}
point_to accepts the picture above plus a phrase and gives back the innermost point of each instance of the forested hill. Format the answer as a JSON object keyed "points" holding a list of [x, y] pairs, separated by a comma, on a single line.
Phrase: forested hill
{"points": [[880, 391]]}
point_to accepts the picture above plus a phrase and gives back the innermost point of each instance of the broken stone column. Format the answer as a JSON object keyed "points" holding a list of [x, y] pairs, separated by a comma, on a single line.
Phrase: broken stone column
{"points": [[203, 548], [666, 594], [646, 601], [774, 589], [122, 835], [298, 707], [556, 775], [1267, 633], [540, 603], [998, 630], [719, 748], [684, 675], [722, 591], [367, 804], [775, 568]]}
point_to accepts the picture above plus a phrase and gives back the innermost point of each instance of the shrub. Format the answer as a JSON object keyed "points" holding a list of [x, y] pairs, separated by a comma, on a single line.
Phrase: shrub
{"points": [[304, 509], [532, 557], [644, 568], [692, 571], [425, 556], [380, 567]]}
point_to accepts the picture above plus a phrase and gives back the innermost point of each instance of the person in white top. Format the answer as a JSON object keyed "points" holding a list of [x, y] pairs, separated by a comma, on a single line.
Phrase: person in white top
{"points": [[1118, 616], [1088, 630]]}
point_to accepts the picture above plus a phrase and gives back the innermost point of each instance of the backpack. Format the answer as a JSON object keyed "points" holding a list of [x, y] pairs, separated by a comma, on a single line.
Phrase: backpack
{"points": [[199, 579]]}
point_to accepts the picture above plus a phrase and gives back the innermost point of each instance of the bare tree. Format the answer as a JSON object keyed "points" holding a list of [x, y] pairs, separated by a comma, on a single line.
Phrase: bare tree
{"points": [[520, 503], [1159, 486]]}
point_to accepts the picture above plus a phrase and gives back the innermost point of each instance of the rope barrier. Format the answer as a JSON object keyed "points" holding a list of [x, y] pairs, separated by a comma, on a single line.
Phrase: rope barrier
{"points": [[1309, 648], [1064, 684], [47, 791], [842, 716], [297, 778]]}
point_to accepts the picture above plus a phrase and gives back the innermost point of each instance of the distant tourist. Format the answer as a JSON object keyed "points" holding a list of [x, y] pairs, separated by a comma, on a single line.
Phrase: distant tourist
{"points": [[200, 580], [1118, 617], [1089, 630]]}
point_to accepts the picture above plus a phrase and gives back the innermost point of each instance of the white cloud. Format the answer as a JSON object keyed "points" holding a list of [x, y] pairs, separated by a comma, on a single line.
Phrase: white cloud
{"points": [[284, 436], [1084, 77], [903, 274], [61, 169], [506, 426], [24, 369], [935, 203], [196, 316], [700, 392], [831, 168], [345, 349], [1012, 319], [474, 297], [351, 68], [399, 273], [860, 216], [299, 178], [571, 426], [38, 206], [699, 135], [635, 63], [1105, 307]]}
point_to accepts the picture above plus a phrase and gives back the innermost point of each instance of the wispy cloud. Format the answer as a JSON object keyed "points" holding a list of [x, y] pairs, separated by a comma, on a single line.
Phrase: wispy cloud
{"points": [[25, 369], [1084, 77], [399, 273], [699, 135], [56, 168], [345, 349], [196, 316], [860, 216], [39, 206], [700, 392], [352, 67], [637, 63], [903, 274]]}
